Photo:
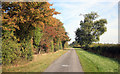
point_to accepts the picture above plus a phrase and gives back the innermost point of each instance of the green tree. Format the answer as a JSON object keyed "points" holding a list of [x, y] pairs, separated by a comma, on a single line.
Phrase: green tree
{"points": [[37, 38], [90, 29]]}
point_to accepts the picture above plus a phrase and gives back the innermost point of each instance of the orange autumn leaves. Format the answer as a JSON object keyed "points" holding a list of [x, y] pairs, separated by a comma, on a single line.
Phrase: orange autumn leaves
{"points": [[24, 17]]}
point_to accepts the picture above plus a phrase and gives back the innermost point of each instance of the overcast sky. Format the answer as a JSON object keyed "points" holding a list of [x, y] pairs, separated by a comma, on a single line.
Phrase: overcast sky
{"points": [[71, 9]]}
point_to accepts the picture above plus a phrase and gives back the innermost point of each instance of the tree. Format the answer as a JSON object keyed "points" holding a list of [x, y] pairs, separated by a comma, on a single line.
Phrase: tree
{"points": [[37, 38], [74, 44], [65, 38], [20, 22], [90, 29], [29, 25]]}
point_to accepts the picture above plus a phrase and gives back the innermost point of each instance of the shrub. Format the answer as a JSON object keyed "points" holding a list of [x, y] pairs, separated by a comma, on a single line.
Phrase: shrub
{"points": [[110, 50], [10, 49], [26, 50], [52, 46], [60, 45], [37, 38]]}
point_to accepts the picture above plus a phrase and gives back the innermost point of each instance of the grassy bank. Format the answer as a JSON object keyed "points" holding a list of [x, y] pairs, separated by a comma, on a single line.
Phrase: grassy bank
{"points": [[95, 63], [39, 63]]}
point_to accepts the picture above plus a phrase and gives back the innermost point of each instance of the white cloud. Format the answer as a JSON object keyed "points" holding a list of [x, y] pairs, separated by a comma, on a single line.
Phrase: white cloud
{"points": [[111, 36], [70, 16]]}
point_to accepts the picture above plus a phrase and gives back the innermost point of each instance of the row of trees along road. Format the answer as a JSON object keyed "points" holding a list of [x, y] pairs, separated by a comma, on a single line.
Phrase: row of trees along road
{"points": [[90, 29], [29, 27]]}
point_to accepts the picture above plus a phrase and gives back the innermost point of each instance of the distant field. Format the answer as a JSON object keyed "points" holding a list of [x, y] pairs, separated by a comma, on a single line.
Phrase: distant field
{"points": [[39, 63], [95, 63]]}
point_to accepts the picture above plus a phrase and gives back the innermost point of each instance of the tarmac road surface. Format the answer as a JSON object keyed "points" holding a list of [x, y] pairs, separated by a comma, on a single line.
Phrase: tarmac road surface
{"points": [[69, 62]]}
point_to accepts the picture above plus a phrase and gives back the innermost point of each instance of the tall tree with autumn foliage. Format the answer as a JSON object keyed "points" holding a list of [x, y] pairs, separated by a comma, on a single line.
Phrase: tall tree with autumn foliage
{"points": [[27, 26]]}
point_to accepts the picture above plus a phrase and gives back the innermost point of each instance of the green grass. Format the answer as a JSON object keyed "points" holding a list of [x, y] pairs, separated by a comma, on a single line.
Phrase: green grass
{"points": [[39, 63], [95, 63]]}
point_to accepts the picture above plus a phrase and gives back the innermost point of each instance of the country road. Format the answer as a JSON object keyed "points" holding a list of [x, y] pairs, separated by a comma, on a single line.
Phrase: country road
{"points": [[68, 62]]}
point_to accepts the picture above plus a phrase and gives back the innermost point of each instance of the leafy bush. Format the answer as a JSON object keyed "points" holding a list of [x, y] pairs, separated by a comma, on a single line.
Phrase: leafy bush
{"points": [[10, 49], [37, 38], [110, 50], [52, 46], [45, 47], [60, 45], [26, 50]]}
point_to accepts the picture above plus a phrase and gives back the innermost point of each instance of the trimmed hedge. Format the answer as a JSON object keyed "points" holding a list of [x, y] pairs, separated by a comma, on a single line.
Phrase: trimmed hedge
{"points": [[109, 50]]}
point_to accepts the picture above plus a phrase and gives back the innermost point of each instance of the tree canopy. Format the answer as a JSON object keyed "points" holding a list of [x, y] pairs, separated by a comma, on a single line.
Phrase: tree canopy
{"points": [[29, 27], [90, 29]]}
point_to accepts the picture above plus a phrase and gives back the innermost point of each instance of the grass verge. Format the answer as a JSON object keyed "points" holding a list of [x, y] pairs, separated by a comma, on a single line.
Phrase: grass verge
{"points": [[38, 64], [95, 63]]}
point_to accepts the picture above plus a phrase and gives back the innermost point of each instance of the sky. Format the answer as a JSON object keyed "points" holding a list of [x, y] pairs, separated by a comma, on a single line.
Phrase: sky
{"points": [[70, 15]]}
